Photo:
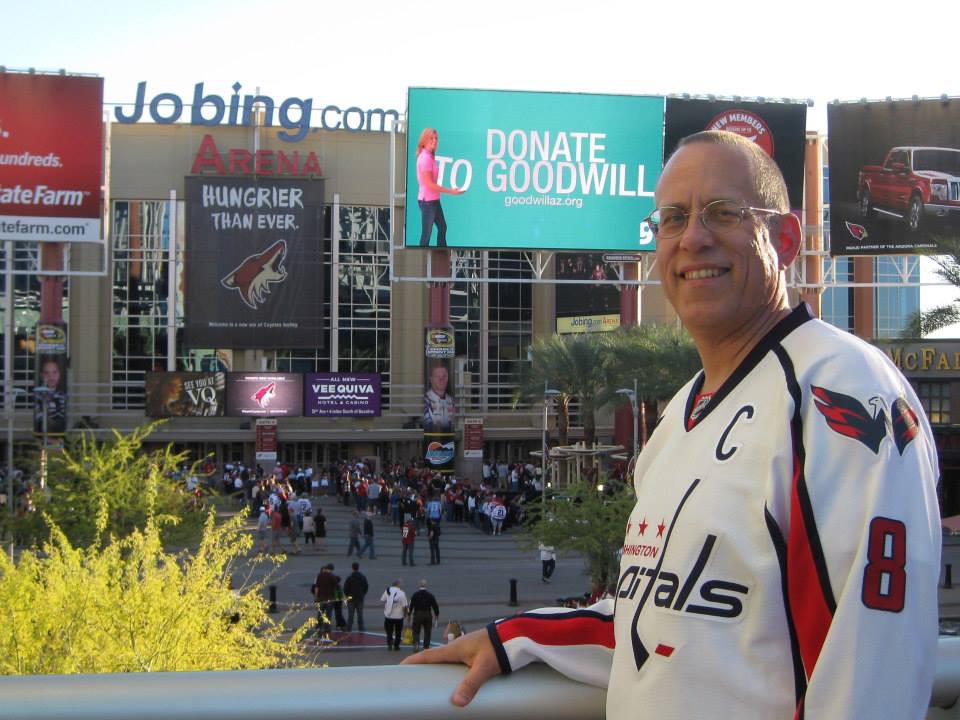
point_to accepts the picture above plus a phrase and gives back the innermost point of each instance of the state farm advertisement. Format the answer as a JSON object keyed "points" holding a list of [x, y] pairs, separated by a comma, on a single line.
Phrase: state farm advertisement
{"points": [[341, 395], [894, 176], [254, 262], [264, 394], [51, 157], [778, 128], [185, 394]]}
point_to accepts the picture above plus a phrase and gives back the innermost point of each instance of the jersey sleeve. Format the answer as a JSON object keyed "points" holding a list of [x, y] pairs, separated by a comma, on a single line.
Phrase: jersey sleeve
{"points": [[862, 546], [577, 643]]}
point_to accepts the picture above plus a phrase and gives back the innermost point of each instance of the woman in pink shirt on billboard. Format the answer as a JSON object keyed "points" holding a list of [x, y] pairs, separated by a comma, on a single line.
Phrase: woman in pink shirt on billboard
{"points": [[428, 196]]}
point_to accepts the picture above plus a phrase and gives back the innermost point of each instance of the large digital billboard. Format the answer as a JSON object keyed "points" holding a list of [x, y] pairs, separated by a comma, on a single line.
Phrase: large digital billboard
{"points": [[264, 394], [186, 394], [254, 262], [778, 128], [341, 395], [894, 176], [549, 171], [51, 157]]}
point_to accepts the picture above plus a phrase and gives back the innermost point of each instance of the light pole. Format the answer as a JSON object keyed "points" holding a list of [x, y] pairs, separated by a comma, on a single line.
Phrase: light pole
{"points": [[9, 401], [43, 393], [547, 394], [635, 408]]}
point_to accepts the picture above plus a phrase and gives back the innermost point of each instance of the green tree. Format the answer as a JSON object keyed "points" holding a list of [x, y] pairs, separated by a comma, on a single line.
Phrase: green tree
{"points": [[99, 487], [126, 605], [661, 357], [575, 366], [585, 521], [922, 323]]}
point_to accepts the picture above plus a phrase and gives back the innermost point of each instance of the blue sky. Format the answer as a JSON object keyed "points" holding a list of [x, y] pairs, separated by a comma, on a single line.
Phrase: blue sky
{"points": [[368, 53]]}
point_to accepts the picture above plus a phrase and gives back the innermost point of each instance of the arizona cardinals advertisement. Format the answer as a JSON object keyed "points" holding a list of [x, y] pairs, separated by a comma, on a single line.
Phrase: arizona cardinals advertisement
{"points": [[264, 394], [254, 262], [186, 394], [51, 157], [779, 128], [894, 176]]}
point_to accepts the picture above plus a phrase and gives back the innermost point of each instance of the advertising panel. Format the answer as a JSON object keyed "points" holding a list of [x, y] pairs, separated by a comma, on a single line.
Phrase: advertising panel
{"points": [[341, 395], [894, 176], [586, 308], [265, 446], [779, 128], [50, 394], [185, 394], [439, 415], [51, 157], [551, 171], [254, 262], [473, 437], [264, 394], [441, 342]]}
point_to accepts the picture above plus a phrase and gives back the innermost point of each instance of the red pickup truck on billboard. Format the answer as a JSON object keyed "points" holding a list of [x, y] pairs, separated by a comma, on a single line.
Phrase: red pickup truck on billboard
{"points": [[913, 183]]}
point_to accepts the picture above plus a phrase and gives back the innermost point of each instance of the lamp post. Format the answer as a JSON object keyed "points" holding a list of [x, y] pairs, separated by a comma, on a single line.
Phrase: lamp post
{"points": [[43, 393], [635, 408], [9, 400], [547, 394]]}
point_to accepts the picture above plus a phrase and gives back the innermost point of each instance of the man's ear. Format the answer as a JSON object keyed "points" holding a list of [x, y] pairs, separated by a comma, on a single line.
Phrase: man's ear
{"points": [[787, 238]]}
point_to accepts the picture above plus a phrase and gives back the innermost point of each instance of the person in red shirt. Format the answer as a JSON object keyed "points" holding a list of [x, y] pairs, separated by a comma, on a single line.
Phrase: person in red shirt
{"points": [[408, 534]]}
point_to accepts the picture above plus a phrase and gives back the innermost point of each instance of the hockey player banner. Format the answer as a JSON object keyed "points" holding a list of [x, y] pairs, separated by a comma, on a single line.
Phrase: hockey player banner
{"points": [[254, 262], [894, 176], [556, 171], [51, 157], [778, 128], [186, 394], [50, 394], [264, 394], [341, 395]]}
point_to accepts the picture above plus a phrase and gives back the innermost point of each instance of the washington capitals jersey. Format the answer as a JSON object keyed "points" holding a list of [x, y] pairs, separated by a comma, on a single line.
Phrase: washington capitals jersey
{"points": [[782, 557]]}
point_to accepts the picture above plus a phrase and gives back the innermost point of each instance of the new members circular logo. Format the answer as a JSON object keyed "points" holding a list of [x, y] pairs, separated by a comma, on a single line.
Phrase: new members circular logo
{"points": [[746, 124]]}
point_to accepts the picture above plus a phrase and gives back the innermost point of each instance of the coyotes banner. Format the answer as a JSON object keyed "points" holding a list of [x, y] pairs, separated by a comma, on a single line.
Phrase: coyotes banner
{"points": [[254, 262]]}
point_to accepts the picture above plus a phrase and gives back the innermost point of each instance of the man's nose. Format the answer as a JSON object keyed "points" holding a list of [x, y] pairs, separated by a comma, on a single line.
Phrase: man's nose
{"points": [[695, 235]]}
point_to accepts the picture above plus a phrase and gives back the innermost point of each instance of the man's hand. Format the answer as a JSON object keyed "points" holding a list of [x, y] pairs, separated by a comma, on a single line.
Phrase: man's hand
{"points": [[473, 650]]}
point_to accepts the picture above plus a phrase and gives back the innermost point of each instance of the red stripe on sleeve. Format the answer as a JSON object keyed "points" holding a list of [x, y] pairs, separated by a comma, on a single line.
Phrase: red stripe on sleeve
{"points": [[561, 630], [808, 605]]}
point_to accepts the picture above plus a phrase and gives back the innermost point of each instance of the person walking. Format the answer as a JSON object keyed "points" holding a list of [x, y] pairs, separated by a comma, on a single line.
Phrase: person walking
{"points": [[548, 559], [394, 610], [355, 588], [424, 613], [324, 594], [408, 534], [309, 531], [356, 531], [433, 537], [368, 536], [320, 520]]}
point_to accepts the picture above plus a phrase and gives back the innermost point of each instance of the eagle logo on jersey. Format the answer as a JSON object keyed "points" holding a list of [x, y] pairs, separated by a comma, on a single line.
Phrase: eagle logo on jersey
{"points": [[252, 278], [847, 416]]}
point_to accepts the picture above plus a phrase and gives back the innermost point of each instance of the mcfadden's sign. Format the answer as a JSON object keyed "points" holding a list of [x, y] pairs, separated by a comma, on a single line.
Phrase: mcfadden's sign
{"points": [[292, 114]]}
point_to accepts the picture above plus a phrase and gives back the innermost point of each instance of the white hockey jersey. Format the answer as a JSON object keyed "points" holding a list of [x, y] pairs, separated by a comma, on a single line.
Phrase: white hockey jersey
{"points": [[783, 555]]}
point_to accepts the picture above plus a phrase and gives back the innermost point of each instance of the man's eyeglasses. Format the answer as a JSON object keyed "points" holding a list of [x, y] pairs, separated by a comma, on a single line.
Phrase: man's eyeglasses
{"points": [[719, 216]]}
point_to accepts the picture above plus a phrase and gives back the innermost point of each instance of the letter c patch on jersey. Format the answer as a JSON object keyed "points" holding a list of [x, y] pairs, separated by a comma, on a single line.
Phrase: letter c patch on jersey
{"points": [[725, 450]]}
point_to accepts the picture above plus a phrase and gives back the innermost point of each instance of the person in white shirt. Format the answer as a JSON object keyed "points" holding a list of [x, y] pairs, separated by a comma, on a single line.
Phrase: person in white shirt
{"points": [[394, 610]]}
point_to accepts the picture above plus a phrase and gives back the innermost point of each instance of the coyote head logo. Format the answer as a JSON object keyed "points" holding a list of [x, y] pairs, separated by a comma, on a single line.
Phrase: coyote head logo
{"points": [[264, 395], [252, 277]]}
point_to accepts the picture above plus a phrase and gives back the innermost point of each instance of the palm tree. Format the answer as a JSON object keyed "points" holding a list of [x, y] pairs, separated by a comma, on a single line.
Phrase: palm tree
{"points": [[574, 365], [920, 323], [661, 357]]}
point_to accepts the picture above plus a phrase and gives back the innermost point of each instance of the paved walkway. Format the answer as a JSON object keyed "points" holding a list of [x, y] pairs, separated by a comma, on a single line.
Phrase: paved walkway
{"points": [[472, 582]]}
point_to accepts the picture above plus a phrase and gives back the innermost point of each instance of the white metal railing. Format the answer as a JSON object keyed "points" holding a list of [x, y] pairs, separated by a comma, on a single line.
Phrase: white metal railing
{"points": [[396, 692]]}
